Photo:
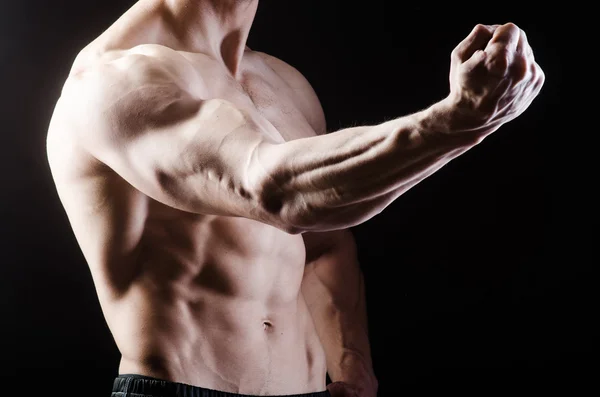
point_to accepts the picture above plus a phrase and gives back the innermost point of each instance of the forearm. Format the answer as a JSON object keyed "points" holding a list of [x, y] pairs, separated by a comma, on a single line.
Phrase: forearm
{"points": [[334, 291], [342, 179], [343, 331], [371, 207]]}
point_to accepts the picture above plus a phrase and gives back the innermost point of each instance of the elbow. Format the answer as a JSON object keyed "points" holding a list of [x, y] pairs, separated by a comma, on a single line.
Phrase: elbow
{"points": [[281, 211], [277, 205]]}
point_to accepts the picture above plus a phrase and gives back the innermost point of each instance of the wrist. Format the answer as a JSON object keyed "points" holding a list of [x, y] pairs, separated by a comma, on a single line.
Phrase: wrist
{"points": [[355, 370], [440, 125], [465, 119], [448, 123]]}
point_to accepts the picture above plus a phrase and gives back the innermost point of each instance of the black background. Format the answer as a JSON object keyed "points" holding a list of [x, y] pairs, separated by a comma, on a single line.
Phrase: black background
{"points": [[474, 281]]}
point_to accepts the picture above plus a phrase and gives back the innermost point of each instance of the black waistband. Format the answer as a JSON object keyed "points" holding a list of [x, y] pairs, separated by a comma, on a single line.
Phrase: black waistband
{"points": [[132, 385]]}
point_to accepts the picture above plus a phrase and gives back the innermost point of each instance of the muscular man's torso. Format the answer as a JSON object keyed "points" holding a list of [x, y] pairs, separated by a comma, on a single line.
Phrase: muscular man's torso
{"points": [[204, 300]]}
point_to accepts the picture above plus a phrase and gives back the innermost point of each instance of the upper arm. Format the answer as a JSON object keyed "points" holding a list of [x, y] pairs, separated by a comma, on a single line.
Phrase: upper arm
{"points": [[332, 268], [137, 115], [339, 242]]}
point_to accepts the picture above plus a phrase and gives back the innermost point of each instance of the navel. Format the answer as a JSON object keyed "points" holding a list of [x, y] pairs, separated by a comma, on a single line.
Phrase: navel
{"points": [[267, 326]]}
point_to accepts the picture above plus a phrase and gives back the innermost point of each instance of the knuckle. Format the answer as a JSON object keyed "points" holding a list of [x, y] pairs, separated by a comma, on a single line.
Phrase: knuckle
{"points": [[502, 51], [523, 34], [537, 76], [541, 76], [529, 51], [534, 70], [456, 53], [479, 28], [540, 84], [520, 59], [537, 72], [520, 67], [500, 59]]}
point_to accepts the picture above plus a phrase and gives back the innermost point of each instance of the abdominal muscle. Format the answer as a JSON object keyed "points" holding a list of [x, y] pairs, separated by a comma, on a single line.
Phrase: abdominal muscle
{"points": [[236, 323]]}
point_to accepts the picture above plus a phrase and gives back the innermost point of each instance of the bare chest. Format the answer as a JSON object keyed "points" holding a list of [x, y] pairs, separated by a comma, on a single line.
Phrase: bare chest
{"points": [[239, 256], [246, 257], [261, 92]]}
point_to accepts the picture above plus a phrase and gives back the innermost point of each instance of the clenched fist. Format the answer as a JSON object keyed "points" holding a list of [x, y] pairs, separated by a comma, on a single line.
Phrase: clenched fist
{"points": [[493, 78]]}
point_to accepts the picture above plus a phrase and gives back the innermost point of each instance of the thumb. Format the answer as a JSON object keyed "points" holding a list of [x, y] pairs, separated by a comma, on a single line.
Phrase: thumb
{"points": [[476, 59]]}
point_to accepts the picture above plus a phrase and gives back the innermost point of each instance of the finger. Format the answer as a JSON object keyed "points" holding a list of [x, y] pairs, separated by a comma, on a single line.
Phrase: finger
{"points": [[536, 73], [476, 59], [540, 77], [519, 68], [498, 60], [524, 48], [502, 52], [527, 51], [522, 43], [506, 35], [476, 40]]}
